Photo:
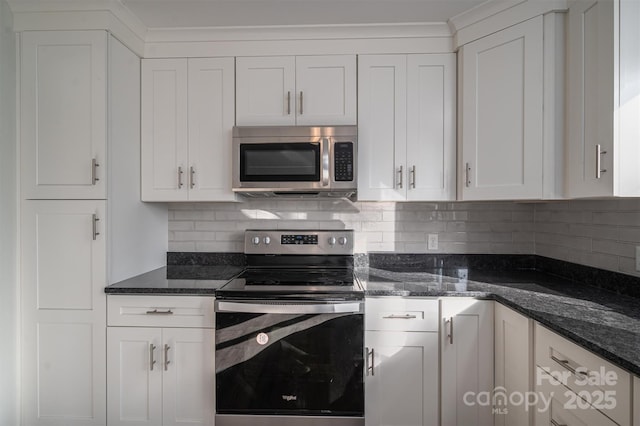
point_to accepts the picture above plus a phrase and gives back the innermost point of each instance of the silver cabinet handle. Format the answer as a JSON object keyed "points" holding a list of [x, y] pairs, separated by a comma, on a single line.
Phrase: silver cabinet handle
{"points": [[325, 161], [180, 172], [369, 364], [565, 363], [192, 177], [406, 316], [157, 312], [301, 104], [94, 171], [599, 154], [467, 175], [450, 335], [399, 172], [412, 177], [166, 357], [288, 103], [554, 423], [152, 361], [94, 222]]}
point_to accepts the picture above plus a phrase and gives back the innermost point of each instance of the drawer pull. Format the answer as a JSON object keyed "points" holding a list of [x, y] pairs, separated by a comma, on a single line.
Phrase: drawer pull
{"points": [[157, 312], [406, 316], [554, 423], [567, 365]]}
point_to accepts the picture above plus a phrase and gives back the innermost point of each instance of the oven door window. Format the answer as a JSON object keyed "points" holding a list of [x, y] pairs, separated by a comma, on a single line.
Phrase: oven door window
{"points": [[289, 364], [280, 162]]}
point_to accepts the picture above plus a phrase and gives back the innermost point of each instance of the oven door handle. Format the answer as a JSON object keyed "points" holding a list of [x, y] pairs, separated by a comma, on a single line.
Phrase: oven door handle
{"points": [[289, 308]]}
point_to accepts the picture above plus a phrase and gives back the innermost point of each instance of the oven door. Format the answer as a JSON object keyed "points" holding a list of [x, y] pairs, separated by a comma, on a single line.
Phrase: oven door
{"points": [[277, 359]]}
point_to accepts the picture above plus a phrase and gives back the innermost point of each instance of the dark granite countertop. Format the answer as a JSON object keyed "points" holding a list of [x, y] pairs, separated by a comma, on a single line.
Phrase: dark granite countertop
{"points": [[604, 322], [598, 319], [178, 279]]}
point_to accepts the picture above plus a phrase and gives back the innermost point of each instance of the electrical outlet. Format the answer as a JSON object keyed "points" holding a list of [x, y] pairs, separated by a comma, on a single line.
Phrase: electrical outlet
{"points": [[432, 243], [638, 258]]}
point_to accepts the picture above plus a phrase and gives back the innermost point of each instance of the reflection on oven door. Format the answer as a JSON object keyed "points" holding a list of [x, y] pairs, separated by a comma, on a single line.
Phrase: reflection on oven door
{"points": [[293, 364]]}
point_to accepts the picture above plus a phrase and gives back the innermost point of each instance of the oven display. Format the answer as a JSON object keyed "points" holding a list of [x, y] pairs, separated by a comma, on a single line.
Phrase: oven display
{"points": [[299, 239]]}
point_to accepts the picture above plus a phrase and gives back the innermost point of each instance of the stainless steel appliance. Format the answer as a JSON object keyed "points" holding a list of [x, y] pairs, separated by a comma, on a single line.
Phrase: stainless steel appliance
{"points": [[295, 161], [289, 333]]}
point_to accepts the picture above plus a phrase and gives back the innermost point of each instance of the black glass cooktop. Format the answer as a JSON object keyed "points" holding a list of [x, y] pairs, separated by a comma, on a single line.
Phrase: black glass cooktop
{"points": [[308, 281]]}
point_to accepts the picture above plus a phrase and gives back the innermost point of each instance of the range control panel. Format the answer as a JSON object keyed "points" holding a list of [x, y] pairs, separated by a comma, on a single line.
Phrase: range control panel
{"points": [[317, 242]]}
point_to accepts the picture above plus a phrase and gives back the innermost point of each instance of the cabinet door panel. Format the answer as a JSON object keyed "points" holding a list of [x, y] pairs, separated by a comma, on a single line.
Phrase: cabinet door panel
{"points": [[382, 115], [63, 265], [467, 360], [502, 129], [431, 135], [189, 377], [211, 119], [134, 389], [513, 363], [591, 101], [164, 130], [403, 389], [63, 114], [265, 91], [326, 90]]}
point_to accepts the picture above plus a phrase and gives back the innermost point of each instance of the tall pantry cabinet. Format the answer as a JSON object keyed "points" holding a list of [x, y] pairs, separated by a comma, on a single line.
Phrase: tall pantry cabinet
{"points": [[82, 223]]}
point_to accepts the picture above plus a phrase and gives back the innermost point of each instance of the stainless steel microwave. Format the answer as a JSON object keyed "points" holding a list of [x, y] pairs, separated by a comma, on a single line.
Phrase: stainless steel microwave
{"points": [[295, 161]]}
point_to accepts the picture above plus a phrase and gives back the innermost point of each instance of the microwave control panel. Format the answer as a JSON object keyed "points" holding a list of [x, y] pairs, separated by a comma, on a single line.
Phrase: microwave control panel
{"points": [[343, 161]]}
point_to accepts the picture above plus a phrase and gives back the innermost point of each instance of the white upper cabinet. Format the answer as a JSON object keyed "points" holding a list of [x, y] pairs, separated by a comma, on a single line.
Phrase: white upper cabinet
{"points": [[406, 114], [296, 90], [187, 119], [603, 103], [511, 112], [501, 112], [63, 116]]}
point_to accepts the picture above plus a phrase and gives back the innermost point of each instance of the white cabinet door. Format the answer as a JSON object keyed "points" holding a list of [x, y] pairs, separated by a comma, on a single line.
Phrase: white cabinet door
{"points": [[467, 361], [63, 114], [382, 127], [513, 364], [431, 124], [211, 119], [326, 90], [501, 111], [401, 386], [134, 384], [164, 130], [189, 377], [636, 401], [63, 275], [265, 91]]}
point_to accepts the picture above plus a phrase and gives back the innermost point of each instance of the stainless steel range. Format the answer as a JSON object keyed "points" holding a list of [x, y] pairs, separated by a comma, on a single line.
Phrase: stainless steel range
{"points": [[289, 333]]}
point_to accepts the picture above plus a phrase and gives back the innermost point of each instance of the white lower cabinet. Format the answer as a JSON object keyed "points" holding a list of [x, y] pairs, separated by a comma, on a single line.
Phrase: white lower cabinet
{"points": [[583, 388], [466, 351], [401, 383], [160, 375], [513, 359]]}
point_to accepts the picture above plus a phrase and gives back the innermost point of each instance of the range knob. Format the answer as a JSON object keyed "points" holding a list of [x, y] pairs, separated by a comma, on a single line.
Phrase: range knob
{"points": [[342, 240], [255, 240], [266, 240], [332, 241]]}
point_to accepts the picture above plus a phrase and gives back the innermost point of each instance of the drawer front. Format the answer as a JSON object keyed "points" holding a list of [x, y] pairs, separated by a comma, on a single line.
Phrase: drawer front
{"points": [[584, 373], [401, 314], [160, 311], [561, 406]]}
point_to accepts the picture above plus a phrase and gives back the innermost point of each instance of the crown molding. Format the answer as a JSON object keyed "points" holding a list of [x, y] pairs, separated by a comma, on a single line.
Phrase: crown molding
{"points": [[110, 15], [298, 32]]}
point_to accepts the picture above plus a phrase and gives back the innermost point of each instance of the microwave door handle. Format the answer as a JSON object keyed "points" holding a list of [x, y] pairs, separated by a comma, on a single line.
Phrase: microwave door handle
{"points": [[325, 162]]}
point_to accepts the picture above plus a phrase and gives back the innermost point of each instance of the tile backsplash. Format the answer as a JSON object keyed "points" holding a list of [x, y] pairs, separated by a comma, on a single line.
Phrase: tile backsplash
{"points": [[498, 227], [598, 233]]}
